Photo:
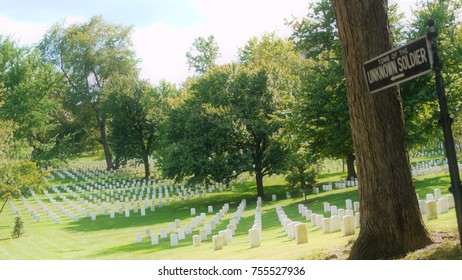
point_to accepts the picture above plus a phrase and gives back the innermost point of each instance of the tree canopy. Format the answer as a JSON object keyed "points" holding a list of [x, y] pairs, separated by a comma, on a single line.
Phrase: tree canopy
{"points": [[90, 55]]}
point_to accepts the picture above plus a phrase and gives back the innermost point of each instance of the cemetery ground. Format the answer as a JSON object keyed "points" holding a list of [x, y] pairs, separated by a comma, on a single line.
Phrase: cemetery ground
{"points": [[92, 225]]}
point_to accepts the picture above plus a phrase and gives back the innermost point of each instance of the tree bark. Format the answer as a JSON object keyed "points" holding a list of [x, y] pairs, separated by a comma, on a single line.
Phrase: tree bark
{"points": [[3, 206], [391, 223], [259, 181], [104, 142], [351, 172], [147, 171]]}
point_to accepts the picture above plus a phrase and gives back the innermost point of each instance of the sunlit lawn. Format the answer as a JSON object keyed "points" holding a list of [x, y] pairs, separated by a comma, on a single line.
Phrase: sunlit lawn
{"points": [[108, 238]]}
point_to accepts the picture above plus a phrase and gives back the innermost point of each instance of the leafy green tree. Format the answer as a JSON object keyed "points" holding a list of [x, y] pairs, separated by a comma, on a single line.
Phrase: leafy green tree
{"points": [[419, 95], [203, 54], [321, 117], [18, 229], [233, 119], [137, 113], [90, 55], [302, 171], [18, 174], [31, 99], [200, 135]]}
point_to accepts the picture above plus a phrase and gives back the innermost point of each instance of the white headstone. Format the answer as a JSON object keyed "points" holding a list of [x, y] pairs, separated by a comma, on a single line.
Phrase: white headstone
{"points": [[326, 207], [301, 233], [273, 197], [254, 238], [313, 218], [147, 232], [154, 239], [429, 197], [291, 229], [437, 193], [181, 234], [196, 240], [217, 242], [163, 233], [348, 225], [335, 223], [203, 234], [333, 210], [443, 205], [177, 223], [341, 213], [326, 225], [319, 221], [432, 212], [423, 206], [224, 235], [173, 239], [138, 237], [208, 229], [210, 209], [308, 214], [356, 206], [188, 229], [193, 211], [171, 227], [348, 204]]}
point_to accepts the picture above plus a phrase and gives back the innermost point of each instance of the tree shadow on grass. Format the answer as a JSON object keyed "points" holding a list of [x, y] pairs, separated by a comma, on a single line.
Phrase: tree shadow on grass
{"points": [[427, 185], [166, 214], [145, 247]]}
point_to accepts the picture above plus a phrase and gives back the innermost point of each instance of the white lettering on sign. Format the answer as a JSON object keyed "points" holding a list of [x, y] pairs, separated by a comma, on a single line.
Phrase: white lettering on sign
{"points": [[390, 68], [412, 59], [383, 71]]}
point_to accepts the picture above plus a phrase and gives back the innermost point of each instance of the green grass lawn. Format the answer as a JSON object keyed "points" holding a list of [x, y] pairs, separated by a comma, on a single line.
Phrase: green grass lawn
{"points": [[107, 238]]}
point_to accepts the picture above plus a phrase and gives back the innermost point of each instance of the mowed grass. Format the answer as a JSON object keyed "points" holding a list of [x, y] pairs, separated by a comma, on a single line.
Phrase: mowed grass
{"points": [[107, 238]]}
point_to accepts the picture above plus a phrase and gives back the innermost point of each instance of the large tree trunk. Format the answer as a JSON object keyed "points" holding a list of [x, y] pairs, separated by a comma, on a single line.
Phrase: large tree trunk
{"points": [[147, 171], [391, 224], [104, 142], [351, 172], [259, 181]]}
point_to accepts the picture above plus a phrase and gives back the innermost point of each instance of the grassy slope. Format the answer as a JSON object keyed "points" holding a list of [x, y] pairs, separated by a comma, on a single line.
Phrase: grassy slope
{"points": [[108, 238]]}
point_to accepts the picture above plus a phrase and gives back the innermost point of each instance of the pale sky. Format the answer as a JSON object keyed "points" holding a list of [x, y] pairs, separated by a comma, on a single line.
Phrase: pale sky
{"points": [[164, 30]]}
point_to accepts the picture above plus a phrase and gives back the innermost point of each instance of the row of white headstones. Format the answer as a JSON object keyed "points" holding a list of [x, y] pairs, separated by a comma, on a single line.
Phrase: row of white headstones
{"points": [[96, 198], [177, 232], [435, 204]]}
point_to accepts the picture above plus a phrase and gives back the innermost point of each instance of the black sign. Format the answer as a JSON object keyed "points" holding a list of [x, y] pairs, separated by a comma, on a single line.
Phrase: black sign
{"points": [[399, 65]]}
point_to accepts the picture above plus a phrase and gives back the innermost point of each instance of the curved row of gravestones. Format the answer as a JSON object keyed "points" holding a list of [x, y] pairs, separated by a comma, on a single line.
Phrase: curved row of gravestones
{"points": [[104, 197], [224, 237], [177, 232]]}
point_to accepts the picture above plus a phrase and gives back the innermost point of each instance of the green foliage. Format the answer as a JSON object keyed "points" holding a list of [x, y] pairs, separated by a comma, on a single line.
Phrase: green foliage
{"points": [[203, 54], [137, 112], [18, 228], [302, 175], [234, 116], [200, 135], [31, 90], [420, 104], [90, 56], [17, 173], [320, 115]]}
